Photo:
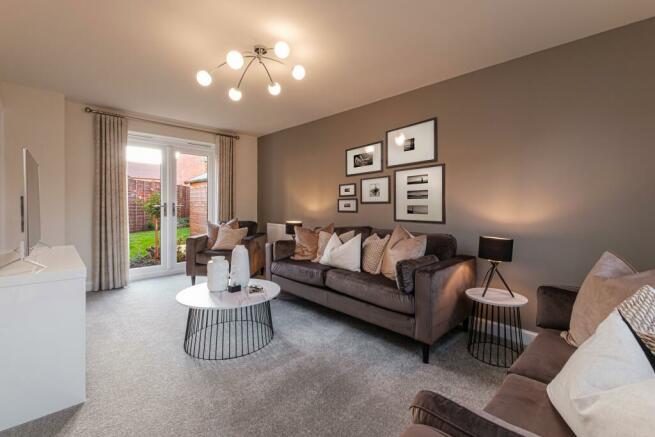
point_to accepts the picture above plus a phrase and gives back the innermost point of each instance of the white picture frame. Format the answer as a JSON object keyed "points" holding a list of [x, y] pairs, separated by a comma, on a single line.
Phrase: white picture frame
{"points": [[419, 144], [364, 159], [421, 194], [376, 190]]}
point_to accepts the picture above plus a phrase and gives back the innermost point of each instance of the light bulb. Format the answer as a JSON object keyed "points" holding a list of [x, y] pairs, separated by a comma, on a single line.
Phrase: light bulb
{"points": [[234, 94], [298, 72], [234, 60], [274, 88], [204, 78], [282, 50], [400, 139]]}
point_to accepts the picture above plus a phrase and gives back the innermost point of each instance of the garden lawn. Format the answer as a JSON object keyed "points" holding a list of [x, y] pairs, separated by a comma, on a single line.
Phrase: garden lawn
{"points": [[140, 241]]}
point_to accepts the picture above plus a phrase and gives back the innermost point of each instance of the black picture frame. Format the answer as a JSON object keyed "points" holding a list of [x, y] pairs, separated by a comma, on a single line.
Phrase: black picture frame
{"points": [[350, 199], [387, 145], [354, 187], [443, 194], [361, 190], [381, 143]]}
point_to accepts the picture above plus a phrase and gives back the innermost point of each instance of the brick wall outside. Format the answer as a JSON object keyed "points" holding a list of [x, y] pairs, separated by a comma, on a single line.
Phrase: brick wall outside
{"points": [[139, 190]]}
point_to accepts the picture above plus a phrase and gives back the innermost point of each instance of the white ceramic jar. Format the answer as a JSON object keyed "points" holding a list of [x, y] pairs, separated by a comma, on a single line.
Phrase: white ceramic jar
{"points": [[240, 271], [218, 272]]}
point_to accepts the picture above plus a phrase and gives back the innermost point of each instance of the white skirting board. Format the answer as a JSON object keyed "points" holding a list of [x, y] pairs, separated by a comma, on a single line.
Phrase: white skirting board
{"points": [[528, 336]]}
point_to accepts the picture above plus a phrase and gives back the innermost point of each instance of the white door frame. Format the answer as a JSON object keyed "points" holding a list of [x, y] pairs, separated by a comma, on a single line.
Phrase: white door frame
{"points": [[168, 147]]}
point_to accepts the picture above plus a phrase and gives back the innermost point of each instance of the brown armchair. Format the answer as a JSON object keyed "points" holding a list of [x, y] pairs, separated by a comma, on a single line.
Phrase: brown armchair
{"points": [[198, 254]]}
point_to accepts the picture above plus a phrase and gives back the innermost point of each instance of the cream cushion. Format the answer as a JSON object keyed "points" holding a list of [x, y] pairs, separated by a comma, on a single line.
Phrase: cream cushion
{"points": [[213, 229], [333, 243], [606, 387], [609, 283], [388, 267], [372, 251], [408, 248], [228, 238], [346, 255]]}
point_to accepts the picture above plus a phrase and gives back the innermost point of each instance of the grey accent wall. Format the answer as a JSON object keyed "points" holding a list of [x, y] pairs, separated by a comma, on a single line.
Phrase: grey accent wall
{"points": [[556, 149]]}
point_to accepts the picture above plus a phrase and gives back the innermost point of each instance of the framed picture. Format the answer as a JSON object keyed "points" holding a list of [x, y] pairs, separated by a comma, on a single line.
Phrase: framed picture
{"points": [[412, 144], [421, 194], [347, 205], [347, 190], [364, 159], [375, 190]]}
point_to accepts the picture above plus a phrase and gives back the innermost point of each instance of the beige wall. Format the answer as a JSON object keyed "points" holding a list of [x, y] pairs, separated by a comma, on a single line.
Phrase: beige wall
{"points": [[32, 118], [80, 170], [555, 149]]}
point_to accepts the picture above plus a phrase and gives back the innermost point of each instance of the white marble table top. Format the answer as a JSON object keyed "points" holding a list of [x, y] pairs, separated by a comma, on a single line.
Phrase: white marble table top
{"points": [[496, 297], [199, 296]]}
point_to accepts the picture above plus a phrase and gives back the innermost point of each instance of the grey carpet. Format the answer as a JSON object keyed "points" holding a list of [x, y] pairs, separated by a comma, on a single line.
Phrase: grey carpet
{"points": [[324, 373]]}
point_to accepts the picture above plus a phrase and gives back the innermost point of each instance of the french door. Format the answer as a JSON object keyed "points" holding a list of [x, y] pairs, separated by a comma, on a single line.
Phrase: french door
{"points": [[170, 186]]}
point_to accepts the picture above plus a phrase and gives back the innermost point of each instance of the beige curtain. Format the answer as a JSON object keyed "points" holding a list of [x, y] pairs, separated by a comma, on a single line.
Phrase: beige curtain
{"points": [[110, 248], [225, 178]]}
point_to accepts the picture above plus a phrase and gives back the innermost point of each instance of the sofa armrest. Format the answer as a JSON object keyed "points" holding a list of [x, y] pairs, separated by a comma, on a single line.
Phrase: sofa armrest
{"points": [[554, 306], [256, 245], [194, 244], [283, 249], [439, 295], [450, 418]]}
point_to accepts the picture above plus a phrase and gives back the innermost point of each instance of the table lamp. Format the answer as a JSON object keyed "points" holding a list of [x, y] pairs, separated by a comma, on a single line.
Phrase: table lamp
{"points": [[290, 224], [495, 250]]}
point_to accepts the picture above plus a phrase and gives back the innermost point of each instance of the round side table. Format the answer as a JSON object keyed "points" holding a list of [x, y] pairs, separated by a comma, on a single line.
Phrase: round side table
{"points": [[495, 333], [223, 325]]}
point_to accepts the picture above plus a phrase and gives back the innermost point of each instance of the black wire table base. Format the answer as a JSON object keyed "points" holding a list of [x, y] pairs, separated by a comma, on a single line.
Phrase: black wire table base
{"points": [[217, 334], [495, 334]]}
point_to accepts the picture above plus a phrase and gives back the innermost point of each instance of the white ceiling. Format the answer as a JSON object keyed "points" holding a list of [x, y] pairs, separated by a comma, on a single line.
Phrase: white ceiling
{"points": [[142, 55]]}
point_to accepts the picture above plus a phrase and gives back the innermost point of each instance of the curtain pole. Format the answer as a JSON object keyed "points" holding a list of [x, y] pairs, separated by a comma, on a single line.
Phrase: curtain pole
{"points": [[133, 117]]}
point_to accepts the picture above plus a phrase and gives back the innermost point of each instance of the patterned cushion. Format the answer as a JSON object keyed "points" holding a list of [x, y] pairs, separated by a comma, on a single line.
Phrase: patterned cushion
{"points": [[373, 249], [639, 313]]}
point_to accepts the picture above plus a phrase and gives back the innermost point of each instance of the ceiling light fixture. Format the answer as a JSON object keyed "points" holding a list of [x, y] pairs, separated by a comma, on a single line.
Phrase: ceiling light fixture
{"points": [[236, 60]]}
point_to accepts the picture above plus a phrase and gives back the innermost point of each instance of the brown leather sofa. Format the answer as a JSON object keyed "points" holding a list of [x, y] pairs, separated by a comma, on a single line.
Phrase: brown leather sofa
{"points": [[432, 304], [521, 406], [198, 254]]}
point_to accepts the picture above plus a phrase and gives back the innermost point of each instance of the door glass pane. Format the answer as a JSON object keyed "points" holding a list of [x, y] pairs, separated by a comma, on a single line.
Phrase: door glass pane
{"points": [[144, 166], [191, 205]]}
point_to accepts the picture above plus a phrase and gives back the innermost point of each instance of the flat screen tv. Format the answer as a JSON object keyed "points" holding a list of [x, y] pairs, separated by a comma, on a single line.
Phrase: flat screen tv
{"points": [[31, 204]]}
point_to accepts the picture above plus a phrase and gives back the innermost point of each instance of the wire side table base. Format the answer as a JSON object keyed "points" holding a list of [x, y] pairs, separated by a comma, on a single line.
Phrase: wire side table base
{"points": [[495, 334], [223, 334]]}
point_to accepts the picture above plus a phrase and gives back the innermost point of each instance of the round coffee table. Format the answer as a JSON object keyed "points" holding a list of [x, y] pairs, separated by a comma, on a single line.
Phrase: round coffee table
{"points": [[223, 325], [495, 332]]}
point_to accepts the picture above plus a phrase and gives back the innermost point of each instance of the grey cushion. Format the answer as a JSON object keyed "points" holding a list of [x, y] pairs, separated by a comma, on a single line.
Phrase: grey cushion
{"points": [[206, 255], [524, 402], [364, 230], [302, 271], [443, 246], [405, 271], [544, 357], [374, 289]]}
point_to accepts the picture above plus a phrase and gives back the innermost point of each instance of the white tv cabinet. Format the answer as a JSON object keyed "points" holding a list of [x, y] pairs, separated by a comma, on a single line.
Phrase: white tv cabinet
{"points": [[42, 335]]}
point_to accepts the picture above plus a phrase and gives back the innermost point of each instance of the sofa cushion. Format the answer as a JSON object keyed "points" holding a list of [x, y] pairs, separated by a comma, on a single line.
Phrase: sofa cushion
{"points": [[206, 255], [405, 270], [418, 430], [524, 402], [443, 246], [306, 272], [544, 357], [374, 289], [364, 230]]}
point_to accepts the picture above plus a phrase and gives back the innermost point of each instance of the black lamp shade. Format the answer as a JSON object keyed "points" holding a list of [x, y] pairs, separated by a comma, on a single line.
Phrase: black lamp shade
{"points": [[496, 249], [289, 225]]}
